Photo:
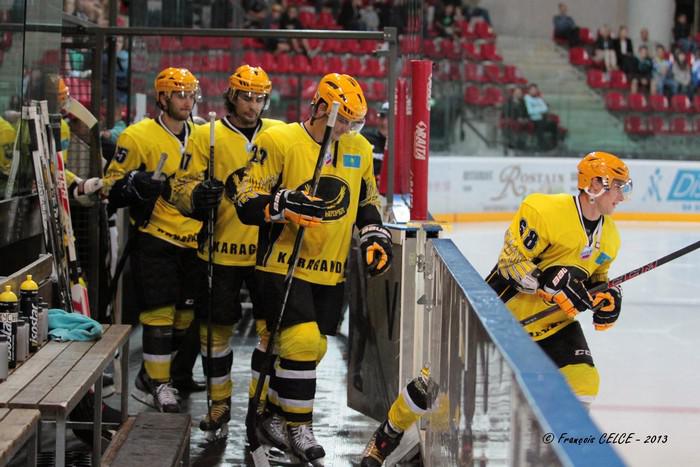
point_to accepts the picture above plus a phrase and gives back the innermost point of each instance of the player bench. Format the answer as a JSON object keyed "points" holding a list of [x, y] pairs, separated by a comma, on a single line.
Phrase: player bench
{"points": [[151, 439], [18, 428], [59, 375]]}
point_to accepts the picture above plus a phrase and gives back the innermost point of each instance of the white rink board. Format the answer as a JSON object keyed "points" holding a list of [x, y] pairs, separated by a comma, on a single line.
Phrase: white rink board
{"points": [[489, 184]]}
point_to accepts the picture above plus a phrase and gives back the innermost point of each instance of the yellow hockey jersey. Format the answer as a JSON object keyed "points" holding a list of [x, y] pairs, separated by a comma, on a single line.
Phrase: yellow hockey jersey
{"points": [[285, 156], [235, 243], [139, 148], [7, 142], [548, 231]]}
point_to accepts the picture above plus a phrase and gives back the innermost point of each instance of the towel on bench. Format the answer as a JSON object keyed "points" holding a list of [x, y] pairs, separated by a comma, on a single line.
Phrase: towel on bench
{"points": [[65, 326]]}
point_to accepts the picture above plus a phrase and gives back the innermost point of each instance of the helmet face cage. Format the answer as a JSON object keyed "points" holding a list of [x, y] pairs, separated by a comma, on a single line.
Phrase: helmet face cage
{"points": [[345, 90], [249, 81], [612, 172], [177, 80]]}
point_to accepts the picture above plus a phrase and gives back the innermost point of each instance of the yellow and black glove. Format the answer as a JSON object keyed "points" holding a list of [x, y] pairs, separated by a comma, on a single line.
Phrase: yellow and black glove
{"points": [[295, 206], [375, 244], [606, 308], [560, 287]]}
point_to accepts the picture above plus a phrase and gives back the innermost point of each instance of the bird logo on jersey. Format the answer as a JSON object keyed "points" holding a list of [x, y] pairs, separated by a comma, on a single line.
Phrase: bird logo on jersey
{"points": [[336, 193]]}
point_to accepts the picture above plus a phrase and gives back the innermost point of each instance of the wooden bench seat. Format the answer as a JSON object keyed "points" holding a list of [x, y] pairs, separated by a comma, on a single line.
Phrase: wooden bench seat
{"points": [[151, 439], [17, 428]]}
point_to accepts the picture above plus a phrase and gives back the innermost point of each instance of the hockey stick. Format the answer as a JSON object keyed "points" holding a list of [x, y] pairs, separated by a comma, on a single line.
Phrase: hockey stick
{"points": [[620, 279], [79, 295], [114, 284], [49, 213], [210, 260], [257, 451]]}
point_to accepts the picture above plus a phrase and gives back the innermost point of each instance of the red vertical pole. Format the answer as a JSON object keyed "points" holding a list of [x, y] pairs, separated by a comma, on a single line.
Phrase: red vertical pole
{"points": [[421, 81]]}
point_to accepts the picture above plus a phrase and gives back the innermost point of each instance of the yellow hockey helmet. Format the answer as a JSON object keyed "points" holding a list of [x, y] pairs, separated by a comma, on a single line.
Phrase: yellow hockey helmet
{"points": [[63, 92], [605, 166], [345, 90], [176, 80], [248, 78]]}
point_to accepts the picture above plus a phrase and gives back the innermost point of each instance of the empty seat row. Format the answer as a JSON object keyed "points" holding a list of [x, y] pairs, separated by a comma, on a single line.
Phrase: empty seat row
{"points": [[658, 125], [636, 102]]}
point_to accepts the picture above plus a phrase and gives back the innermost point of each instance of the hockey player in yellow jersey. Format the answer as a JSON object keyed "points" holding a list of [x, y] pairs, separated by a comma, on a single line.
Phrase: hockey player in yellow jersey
{"points": [[273, 195], [556, 248], [235, 243], [164, 257]]}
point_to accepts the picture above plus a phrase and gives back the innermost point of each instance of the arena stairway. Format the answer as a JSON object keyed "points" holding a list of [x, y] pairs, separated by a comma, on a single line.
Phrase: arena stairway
{"points": [[580, 108]]}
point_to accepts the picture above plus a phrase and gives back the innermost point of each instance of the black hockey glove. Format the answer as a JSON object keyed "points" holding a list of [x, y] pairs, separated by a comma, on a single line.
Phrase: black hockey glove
{"points": [[207, 195], [375, 243], [142, 186], [297, 207], [610, 303], [560, 287]]}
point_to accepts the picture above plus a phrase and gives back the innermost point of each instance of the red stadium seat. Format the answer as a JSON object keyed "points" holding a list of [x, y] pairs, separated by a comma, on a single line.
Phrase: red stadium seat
{"points": [[635, 125], [429, 48], [681, 103], [492, 96], [658, 103], [379, 89], [615, 101], [472, 72], [465, 31], [487, 51], [657, 124], [492, 73], [472, 95], [512, 75], [585, 36], [696, 103], [596, 79], [470, 52], [447, 49], [374, 67], [637, 102], [679, 126], [618, 80], [483, 30], [579, 57]]}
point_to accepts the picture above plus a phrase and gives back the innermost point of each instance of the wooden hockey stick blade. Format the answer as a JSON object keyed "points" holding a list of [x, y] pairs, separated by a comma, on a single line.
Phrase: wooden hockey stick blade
{"points": [[620, 279], [80, 112]]}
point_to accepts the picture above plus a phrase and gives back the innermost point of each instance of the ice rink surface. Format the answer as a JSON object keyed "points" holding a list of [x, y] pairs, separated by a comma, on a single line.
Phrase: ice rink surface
{"points": [[649, 361]]}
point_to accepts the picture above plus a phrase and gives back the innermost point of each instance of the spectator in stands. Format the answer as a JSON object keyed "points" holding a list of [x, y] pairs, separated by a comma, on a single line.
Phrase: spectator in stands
{"points": [[682, 73], [516, 118], [377, 137], [537, 110], [644, 66], [349, 17], [274, 21], [695, 71], [662, 74], [624, 51], [564, 26], [445, 21], [644, 40], [605, 49], [290, 20], [681, 34], [370, 16], [471, 9], [256, 15]]}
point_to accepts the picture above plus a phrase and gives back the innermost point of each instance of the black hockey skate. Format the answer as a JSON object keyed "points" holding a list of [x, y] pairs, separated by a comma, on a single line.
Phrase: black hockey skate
{"points": [[160, 396], [383, 442], [215, 423], [304, 444]]}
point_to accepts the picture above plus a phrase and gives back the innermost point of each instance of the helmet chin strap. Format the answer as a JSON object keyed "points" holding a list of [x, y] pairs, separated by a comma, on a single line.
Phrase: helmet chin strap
{"points": [[593, 196]]}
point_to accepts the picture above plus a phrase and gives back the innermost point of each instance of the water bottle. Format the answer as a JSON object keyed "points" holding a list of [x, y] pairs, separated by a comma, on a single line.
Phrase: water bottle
{"points": [[9, 314], [29, 309], [22, 340]]}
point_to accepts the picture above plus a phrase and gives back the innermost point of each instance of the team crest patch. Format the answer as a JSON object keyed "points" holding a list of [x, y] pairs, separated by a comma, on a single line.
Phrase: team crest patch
{"points": [[351, 160], [602, 257]]}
